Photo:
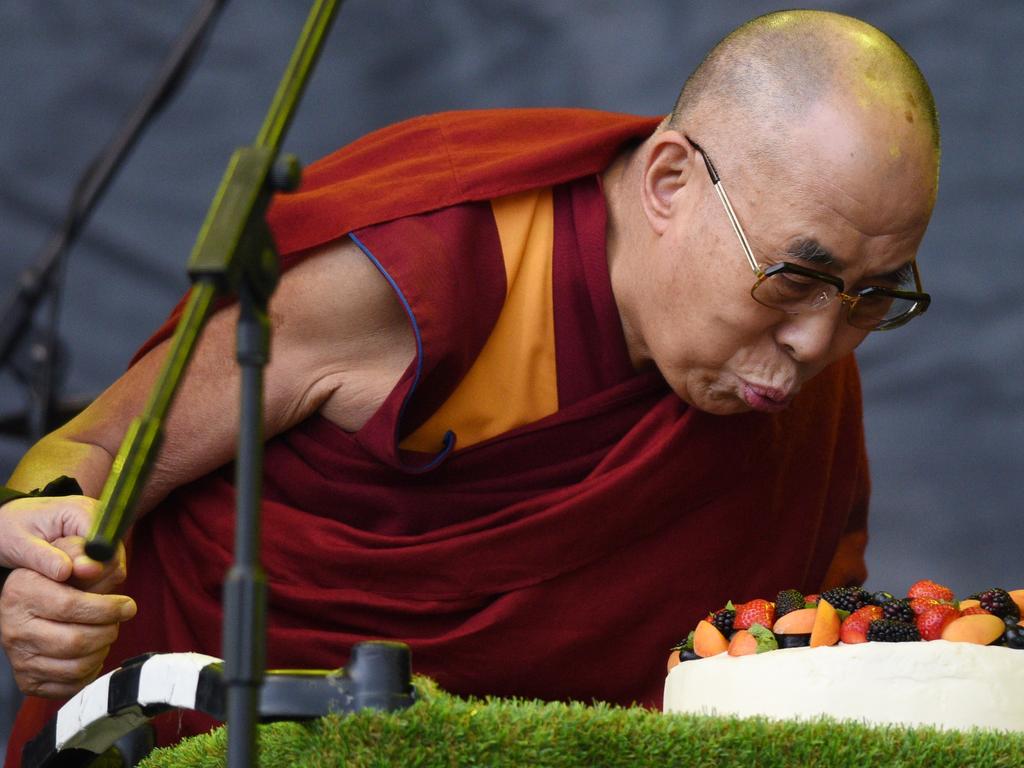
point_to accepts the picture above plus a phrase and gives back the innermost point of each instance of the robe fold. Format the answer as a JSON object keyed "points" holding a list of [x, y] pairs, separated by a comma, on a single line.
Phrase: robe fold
{"points": [[559, 559]]}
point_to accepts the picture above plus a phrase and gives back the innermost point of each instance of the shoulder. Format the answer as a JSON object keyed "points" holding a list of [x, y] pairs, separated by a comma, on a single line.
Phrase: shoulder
{"points": [[338, 324], [334, 291]]}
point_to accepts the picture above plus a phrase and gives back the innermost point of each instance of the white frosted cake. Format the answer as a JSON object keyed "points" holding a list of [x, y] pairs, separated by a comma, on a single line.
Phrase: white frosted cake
{"points": [[949, 685]]}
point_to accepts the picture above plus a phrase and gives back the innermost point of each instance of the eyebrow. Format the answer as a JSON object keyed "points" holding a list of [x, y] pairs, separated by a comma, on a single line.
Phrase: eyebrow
{"points": [[811, 251], [900, 275]]}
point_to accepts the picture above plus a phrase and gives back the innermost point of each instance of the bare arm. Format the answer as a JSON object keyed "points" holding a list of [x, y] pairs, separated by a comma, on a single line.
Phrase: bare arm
{"points": [[340, 342]]}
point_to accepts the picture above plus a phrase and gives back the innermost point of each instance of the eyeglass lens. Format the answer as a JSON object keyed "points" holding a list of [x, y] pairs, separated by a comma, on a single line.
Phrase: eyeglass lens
{"points": [[794, 293]]}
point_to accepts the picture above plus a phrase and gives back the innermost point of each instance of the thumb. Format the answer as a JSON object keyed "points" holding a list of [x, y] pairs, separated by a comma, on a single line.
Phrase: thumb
{"points": [[46, 559]]}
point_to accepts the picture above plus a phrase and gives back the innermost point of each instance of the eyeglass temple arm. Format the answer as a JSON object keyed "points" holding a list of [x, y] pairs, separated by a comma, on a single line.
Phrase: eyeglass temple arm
{"points": [[738, 229], [917, 276], [716, 182]]}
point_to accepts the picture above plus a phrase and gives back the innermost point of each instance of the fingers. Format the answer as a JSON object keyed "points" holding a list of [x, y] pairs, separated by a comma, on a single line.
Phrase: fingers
{"points": [[58, 678], [38, 675], [56, 636], [42, 557], [29, 525], [91, 575], [28, 595]]}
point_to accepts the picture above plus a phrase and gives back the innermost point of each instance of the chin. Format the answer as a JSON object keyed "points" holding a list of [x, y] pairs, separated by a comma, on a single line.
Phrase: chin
{"points": [[715, 403], [722, 407]]}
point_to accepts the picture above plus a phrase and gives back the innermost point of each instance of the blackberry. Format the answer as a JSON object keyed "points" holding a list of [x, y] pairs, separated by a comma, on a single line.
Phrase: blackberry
{"points": [[889, 631], [999, 603], [723, 619], [685, 648], [881, 598], [846, 598], [787, 601], [898, 610], [683, 645]]}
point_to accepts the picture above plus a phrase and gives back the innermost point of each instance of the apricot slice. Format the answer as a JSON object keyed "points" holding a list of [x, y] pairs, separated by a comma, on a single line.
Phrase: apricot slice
{"points": [[673, 660], [742, 644], [969, 603], [826, 625], [1018, 598], [798, 622], [708, 641], [978, 628]]}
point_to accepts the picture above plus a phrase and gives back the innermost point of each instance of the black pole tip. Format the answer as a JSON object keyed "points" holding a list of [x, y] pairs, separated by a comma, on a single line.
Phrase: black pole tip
{"points": [[99, 549]]}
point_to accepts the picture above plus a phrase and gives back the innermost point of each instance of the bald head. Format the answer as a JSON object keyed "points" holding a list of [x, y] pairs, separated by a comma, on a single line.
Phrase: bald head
{"points": [[774, 70]]}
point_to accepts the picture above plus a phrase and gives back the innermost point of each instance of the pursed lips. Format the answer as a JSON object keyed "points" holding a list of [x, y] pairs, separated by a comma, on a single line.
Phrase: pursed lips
{"points": [[766, 399]]}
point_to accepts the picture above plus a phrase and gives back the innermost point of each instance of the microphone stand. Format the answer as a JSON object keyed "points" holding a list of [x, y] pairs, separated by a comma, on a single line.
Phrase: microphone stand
{"points": [[234, 251], [43, 278]]}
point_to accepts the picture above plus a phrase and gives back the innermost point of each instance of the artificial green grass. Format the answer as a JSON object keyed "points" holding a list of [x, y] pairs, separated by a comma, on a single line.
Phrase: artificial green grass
{"points": [[443, 730]]}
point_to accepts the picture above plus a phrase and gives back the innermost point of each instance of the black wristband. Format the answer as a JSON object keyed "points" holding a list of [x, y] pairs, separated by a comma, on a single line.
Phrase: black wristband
{"points": [[9, 494], [62, 486]]}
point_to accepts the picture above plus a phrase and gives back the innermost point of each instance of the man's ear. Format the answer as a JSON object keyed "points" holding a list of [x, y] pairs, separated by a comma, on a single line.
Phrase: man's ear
{"points": [[670, 164]]}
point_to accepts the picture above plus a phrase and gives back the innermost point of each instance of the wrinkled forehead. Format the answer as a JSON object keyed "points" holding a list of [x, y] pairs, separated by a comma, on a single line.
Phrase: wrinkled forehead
{"points": [[857, 201], [875, 170]]}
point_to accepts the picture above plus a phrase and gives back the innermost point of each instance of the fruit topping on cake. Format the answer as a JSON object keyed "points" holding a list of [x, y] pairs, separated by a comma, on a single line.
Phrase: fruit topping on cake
{"points": [[708, 641], [1013, 637], [757, 639], [851, 615], [898, 609], [999, 603], [723, 619], [787, 601], [854, 628], [826, 624], [742, 643], [799, 622], [1017, 595], [928, 588], [889, 631], [975, 610], [933, 622], [980, 628], [794, 640], [921, 604], [757, 611], [847, 599]]}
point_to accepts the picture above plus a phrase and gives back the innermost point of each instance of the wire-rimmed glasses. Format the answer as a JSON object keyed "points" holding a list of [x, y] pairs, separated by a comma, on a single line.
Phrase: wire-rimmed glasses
{"points": [[793, 288]]}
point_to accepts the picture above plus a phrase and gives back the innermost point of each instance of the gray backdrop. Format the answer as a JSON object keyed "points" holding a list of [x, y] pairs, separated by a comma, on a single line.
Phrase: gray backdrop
{"points": [[943, 396]]}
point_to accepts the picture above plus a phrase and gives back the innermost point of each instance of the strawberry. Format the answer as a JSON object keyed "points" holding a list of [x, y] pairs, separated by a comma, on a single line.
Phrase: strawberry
{"points": [[928, 588], [812, 599], [930, 623], [921, 604], [757, 611], [974, 609], [854, 628]]}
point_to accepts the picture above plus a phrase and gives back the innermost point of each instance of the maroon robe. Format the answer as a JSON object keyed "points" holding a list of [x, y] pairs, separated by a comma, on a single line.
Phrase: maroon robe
{"points": [[559, 560]]}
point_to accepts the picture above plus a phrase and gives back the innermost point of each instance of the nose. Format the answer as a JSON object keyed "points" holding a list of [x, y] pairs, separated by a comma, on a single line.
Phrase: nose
{"points": [[818, 338]]}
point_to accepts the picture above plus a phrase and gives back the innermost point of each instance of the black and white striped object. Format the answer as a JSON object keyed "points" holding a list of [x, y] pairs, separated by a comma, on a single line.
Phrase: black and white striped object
{"points": [[120, 701], [378, 676]]}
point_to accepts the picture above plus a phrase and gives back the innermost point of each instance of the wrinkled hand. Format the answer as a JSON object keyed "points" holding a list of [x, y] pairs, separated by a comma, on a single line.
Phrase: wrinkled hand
{"points": [[57, 626], [29, 526]]}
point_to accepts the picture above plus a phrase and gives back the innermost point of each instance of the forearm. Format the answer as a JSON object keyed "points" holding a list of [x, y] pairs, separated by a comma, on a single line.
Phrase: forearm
{"points": [[56, 455]]}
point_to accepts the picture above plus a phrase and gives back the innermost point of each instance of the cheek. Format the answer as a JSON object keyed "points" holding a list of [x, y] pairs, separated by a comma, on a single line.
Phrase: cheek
{"points": [[696, 279], [847, 339], [700, 314]]}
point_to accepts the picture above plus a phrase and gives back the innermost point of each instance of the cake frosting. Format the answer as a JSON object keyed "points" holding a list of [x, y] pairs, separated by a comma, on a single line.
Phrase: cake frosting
{"points": [[948, 685]]}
